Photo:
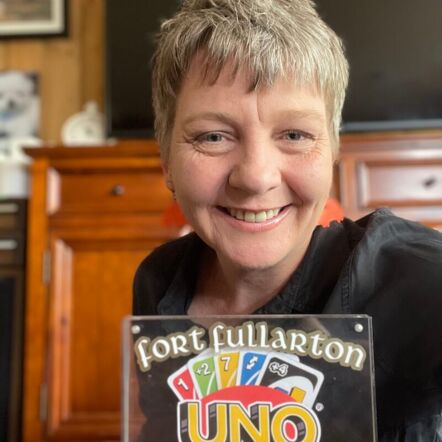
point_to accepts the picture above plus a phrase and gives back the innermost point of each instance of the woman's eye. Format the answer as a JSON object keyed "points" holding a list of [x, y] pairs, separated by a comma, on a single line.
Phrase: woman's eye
{"points": [[296, 135], [213, 137], [209, 137], [212, 142], [297, 140]]}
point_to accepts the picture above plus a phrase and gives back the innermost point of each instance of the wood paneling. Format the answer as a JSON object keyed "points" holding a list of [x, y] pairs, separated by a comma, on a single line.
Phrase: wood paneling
{"points": [[70, 69], [90, 294]]}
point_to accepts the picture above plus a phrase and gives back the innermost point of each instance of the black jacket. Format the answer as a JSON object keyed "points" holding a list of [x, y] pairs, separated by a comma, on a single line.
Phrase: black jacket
{"points": [[383, 266]]}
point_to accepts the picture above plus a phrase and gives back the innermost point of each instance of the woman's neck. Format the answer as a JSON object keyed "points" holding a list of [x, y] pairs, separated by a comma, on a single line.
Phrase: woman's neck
{"points": [[226, 289]]}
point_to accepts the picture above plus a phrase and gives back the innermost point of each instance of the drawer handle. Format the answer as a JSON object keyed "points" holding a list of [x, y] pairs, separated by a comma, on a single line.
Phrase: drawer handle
{"points": [[8, 244], [118, 190], [430, 182]]}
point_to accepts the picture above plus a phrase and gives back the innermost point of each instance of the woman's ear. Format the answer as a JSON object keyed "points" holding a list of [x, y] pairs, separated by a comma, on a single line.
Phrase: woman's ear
{"points": [[167, 176]]}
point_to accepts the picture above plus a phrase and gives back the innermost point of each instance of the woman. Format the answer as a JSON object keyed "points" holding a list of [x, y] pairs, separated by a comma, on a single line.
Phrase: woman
{"points": [[248, 97]]}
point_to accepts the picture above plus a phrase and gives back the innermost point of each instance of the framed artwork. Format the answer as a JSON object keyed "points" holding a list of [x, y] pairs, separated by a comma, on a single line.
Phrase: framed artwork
{"points": [[33, 18], [19, 112]]}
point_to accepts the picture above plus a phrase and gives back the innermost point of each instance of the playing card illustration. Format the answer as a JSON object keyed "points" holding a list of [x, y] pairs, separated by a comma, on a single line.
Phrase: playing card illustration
{"points": [[227, 369], [250, 365], [182, 385], [284, 372], [203, 373]]}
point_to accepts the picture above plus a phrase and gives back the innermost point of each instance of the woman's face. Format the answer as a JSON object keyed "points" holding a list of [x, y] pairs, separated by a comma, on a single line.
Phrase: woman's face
{"points": [[251, 169]]}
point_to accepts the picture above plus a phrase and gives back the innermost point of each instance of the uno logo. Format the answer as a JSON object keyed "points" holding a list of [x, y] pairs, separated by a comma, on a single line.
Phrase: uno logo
{"points": [[238, 415]]}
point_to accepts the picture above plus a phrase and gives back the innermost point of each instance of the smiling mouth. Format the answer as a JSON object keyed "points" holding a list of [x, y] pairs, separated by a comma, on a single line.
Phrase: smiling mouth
{"points": [[249, 216]]}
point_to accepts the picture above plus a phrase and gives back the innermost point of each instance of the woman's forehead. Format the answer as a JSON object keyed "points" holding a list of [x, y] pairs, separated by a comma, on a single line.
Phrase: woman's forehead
{"points": [[200, 91]]}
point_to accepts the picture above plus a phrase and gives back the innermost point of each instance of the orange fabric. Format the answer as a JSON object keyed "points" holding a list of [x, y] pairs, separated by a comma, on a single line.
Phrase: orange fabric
{"points": [[332, 212]]}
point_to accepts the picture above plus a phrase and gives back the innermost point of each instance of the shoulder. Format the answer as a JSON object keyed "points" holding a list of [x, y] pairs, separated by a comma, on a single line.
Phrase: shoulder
{"points": [[396, 262], [363, 255], [156, 272], [380, 231], [395, 275], [382, 224], [394, 252]]}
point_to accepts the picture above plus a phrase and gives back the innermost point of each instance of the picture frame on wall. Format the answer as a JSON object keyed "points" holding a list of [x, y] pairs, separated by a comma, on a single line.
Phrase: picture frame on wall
{"points": [[33, 18]]}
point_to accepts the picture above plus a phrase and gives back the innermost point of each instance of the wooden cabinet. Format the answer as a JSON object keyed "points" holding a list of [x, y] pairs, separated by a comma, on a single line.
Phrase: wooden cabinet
{"points": [[402, 171], [94, 214]]}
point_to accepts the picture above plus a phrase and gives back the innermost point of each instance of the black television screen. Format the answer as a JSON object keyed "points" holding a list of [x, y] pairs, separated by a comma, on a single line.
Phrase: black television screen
{"points": [[394, 48]]}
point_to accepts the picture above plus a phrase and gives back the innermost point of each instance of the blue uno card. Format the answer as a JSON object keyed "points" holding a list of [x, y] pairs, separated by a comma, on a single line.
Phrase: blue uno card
{"points": [[250, 366]]}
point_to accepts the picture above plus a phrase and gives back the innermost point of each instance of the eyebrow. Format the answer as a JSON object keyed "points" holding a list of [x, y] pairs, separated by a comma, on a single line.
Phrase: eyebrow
{"points": [[294, 114], [308, 114], [210, 116]]}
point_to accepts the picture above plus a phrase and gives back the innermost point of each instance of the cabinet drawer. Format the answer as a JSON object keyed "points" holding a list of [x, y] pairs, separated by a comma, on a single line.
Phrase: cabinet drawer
{"points": [[399, 184], [104, 192]]}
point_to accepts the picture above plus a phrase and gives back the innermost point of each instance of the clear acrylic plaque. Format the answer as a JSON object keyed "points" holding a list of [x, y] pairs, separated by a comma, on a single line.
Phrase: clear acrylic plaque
{"points": [[294, 378]]}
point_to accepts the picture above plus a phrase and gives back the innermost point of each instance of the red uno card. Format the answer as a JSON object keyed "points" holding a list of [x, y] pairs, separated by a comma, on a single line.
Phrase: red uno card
{"points": [[182, 385]]}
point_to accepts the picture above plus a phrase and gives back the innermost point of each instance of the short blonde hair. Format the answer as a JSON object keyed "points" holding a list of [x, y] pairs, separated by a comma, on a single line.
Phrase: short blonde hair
{"points": [[270, 38]]}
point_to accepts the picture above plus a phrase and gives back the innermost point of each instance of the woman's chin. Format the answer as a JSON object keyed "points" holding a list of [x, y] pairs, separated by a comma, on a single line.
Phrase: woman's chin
{"points": [[256, 256]]}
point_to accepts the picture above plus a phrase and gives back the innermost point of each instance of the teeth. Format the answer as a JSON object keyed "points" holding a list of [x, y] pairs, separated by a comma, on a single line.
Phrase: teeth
{"points": [[260, 217], [249, 217], [239, 214], [253, 217]]}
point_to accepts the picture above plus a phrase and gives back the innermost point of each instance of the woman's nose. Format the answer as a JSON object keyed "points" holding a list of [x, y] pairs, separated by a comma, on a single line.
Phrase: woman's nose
{"points": [[257, 170]]}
